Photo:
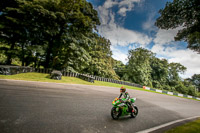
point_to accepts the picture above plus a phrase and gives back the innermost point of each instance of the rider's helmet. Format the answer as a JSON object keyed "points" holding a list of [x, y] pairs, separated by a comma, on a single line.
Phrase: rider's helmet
{"points": [[122, 89]]}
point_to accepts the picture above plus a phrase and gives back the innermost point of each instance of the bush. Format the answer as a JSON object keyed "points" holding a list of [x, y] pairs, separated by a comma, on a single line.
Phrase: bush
{"points": [[167, 87], [181, 88]]}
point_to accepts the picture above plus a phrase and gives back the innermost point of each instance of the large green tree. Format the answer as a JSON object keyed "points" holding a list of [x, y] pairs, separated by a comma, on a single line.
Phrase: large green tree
{"points": [[195, 80], [139, 69], [120, 69], [184, 13], [62, 29], [159, 72], [101, 61], [11, 31]]}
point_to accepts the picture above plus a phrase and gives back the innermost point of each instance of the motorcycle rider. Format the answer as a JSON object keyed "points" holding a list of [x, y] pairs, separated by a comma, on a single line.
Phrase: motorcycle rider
{"points": [[126, 96]]}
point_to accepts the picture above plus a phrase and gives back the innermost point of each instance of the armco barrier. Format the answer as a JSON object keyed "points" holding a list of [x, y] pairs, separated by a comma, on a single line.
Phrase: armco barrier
{"points": [[11, 70], [91, 78], [170, 93], [86, 78]]}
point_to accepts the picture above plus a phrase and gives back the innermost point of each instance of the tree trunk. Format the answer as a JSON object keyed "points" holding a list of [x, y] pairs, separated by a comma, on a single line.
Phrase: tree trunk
{"points": [[35, 62], [49, 51], [9, 55], [22, 55]]}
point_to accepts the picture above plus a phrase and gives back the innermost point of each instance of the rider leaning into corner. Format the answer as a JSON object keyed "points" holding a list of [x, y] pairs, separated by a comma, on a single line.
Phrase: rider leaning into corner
{"points": [[127, 97]]}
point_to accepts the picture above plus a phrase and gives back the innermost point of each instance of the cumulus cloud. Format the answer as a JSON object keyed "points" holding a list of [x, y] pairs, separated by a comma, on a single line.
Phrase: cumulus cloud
{"points": [[166, 46], [189, 59], [166, 36], [118, 55], [149, 24], [123, 5], [126, 5], [115, 33], [121, 36]]}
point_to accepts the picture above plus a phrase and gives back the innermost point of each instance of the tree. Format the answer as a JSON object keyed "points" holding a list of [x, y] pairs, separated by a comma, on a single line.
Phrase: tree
{"points": [[11, 30], [101, 63], [190, 87], [139, 69], [184, 13], [195, 80], [120, 69], [174, 70], [7, 3], [61, 28], [159, 72]]}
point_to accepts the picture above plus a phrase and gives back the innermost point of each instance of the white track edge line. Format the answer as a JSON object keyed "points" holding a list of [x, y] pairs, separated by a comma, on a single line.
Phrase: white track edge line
{"points": [[166, 124]]}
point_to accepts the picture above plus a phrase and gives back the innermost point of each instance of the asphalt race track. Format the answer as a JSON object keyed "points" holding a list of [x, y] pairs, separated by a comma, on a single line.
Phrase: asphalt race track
{"points": [[35, 107]]}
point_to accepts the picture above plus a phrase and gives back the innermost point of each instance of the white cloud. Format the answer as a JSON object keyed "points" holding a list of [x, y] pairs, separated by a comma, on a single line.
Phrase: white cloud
{"points": [[149, 24], [123, 5], [115, 33], [118, 55], [110, 3], [122, 11], [121, 36], [189, 59], [126, 5], [166, 36], [166, 47]]}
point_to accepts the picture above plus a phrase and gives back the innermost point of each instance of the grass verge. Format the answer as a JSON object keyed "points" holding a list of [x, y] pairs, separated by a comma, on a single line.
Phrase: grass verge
{"points": [[191, 127], [69, 80]]}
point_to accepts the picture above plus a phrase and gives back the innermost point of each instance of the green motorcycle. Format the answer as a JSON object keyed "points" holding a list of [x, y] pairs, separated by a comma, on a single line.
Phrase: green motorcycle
{"points": [[121, 109]]}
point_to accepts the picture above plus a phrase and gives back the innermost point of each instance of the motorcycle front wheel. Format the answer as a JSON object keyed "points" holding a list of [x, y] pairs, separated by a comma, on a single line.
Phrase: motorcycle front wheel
{"points": [[115, 114], [135, 113]]}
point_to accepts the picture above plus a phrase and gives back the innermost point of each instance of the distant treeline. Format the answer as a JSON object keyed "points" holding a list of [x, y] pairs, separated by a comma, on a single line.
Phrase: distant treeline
{"points": [[145, 68]]}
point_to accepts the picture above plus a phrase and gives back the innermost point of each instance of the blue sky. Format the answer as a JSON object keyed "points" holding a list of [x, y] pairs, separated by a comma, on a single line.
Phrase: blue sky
{"points": [[129, 24]]}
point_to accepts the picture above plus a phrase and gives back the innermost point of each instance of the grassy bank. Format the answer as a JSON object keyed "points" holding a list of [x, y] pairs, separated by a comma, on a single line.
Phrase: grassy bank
{"points": [[191, 127], [69, 80]]}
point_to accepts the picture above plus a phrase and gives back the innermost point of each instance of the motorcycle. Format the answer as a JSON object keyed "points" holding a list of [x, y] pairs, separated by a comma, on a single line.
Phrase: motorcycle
{"points": [[122, 109]]}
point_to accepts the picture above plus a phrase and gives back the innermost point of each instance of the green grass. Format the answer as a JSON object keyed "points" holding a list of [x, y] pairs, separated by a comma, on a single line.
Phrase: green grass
{"points": [[69, 80], [191, 127]]}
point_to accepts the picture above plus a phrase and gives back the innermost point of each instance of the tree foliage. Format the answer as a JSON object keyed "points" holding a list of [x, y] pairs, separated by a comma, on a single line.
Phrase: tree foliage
{"points": [[146, 69], [101, 61], [139, 70], [159, 72], [195, 80], [120, 69], [185, 14], [55, 34]]}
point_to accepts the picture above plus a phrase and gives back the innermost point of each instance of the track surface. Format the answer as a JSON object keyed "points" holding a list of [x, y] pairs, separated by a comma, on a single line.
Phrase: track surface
{"points": [[35, 107]]}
